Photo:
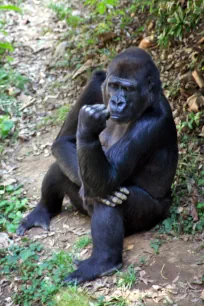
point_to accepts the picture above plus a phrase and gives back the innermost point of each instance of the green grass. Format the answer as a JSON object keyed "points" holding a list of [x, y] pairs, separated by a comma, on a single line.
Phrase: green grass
{"points": [[72, 296], [83, 242], [11, 82], [12, 206], [39, 279], [127, 279], [57, 118]]}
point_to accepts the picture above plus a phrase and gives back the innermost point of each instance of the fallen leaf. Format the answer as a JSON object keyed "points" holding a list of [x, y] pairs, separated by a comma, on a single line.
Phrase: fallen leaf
{"points": [[198, 78], [130, 247], [195, 102], [146, 42], [82, 69]]}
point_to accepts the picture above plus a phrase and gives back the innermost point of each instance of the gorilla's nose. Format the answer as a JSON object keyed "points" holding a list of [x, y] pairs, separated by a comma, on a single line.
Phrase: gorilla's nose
{"points": [[117, 104]]}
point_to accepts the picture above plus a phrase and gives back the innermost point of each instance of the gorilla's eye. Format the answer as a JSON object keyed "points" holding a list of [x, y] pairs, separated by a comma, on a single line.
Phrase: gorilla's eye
{"points": [[128, 88], [113, 86]]}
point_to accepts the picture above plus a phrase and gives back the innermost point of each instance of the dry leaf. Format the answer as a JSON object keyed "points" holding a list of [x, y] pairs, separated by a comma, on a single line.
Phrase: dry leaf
{"points": [[82, 69], [146, 42], [195, 102], [198, 78], [130, 247]]}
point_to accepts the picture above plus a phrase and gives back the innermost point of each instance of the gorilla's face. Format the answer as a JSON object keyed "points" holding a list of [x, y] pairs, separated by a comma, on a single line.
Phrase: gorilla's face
{"points": [[125, 98]]}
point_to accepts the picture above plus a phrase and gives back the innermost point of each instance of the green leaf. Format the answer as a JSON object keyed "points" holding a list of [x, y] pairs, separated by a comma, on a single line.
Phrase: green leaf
{"points": [[6, 46], [10, 8]]}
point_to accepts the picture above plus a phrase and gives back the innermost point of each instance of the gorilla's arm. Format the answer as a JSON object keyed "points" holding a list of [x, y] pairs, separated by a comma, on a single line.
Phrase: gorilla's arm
{"points": [[64, 147], [102, 174]]}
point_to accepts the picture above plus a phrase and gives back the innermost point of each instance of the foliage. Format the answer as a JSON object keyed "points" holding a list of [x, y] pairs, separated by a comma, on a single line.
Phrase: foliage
{"points": [[127, 279], [115, 301], [155, 245], [189, 179], [12, 205], [171, 19], [73, 297], [6, 126], [61, 113], [83, 242], [192, 121], [66, 13], [10, 79], [39, 280], [105, 21], [5, 45]]}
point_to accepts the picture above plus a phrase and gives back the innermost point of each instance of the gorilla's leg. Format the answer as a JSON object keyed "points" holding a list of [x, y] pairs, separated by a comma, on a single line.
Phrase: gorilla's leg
{"points": [[142, 212], [54, 187], [139, 212], [107, 234]]}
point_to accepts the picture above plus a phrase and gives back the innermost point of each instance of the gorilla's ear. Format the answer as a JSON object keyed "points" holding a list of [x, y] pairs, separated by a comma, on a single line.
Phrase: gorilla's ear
{"points": [[150, 83]]}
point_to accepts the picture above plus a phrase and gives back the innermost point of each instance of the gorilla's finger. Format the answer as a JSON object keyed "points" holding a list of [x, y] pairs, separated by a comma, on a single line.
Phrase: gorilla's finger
{"points": [[98, 106], [116, 200], [124, 190], [120, 195], [107, 202]]}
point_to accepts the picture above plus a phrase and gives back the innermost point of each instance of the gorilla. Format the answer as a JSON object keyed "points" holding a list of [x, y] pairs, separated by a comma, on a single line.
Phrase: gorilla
{"points": [[116, 157]]}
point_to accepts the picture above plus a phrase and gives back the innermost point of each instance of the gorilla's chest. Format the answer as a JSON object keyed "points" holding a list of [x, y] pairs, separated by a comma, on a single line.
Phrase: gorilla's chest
{"points": [[112, 134]]}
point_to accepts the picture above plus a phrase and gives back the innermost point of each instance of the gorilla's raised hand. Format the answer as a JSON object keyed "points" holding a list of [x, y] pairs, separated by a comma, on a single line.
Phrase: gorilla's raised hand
{"points": [[92, 120]]}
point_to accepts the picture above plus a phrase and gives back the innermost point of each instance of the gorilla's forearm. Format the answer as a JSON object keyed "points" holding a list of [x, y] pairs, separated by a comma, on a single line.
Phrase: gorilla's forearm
{"points": [[99, 176]]}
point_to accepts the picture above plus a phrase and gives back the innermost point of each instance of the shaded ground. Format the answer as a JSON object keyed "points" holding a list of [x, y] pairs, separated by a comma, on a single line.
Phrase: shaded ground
{"points": [[171, 277]]}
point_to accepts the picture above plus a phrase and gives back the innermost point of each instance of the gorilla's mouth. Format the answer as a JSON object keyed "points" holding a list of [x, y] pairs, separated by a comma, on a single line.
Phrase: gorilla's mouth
{"points": [[119, 118]]}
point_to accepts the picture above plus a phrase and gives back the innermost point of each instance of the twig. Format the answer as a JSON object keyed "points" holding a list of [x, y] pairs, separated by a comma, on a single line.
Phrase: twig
{"points": [[161, 272], [28, 104]]}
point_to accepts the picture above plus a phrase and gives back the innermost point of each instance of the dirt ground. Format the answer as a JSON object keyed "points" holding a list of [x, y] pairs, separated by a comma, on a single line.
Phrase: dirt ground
{"points": [[169, 278]]}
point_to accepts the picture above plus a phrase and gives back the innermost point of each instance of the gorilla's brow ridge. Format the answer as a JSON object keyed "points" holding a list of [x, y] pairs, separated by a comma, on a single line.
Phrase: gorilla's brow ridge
{"points": [[122, 81]]}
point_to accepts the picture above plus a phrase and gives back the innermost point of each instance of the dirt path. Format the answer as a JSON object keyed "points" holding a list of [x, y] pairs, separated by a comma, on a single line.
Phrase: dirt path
{"points": [[172, 276]]}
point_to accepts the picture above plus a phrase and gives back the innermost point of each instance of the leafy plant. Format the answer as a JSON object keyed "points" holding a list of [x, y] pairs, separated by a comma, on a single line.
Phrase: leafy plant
{"points": [[12, 204], [127, 279], [83, 242], [192, 121], [115, 301], [189, 177], [4, 45], [155, 245], [6, 125], [10, 79], [39, 280]]}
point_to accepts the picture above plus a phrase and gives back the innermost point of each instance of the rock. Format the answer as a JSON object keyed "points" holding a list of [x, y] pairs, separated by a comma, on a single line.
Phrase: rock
{"points": [[195, 102]]}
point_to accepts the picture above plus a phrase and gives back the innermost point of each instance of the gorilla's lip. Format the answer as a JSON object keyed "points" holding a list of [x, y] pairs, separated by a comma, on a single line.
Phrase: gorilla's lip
{"points": [[118, 118]]}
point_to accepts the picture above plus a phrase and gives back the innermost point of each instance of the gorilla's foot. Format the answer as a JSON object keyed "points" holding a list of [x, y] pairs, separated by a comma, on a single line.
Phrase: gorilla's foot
{"points": [[38, 217], [90, 269]]}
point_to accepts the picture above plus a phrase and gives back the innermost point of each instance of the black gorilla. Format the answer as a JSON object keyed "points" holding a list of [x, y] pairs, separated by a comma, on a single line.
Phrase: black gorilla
{"points": [[118, 145]]}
